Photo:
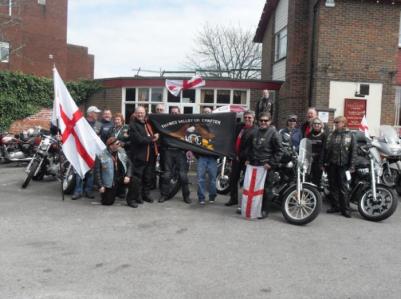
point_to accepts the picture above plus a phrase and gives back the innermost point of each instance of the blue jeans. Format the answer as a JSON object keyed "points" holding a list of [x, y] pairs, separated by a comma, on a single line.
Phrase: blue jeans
{"points": [[88, 183], [206, 164]]}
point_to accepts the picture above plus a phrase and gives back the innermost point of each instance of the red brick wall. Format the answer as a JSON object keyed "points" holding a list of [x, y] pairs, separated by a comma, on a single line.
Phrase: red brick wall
{"points": [[37, 32], [80, 63], [42, 118], [355, 41]]}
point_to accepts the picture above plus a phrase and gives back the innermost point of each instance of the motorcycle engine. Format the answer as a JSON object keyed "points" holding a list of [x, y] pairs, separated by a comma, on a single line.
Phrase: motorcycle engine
{"points": [[16, 155]]}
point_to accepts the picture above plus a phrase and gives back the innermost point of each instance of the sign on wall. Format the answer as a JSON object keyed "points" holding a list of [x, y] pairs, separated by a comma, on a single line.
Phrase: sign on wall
{"points": [[354, 111]]}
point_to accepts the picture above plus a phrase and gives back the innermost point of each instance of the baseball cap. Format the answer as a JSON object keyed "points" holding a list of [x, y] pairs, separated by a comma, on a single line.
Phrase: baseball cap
{"points": [[93, 109], [292, 116]]}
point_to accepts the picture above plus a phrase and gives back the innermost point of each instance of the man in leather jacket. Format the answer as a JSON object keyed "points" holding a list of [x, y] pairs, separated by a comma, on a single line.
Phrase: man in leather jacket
{"points": [[265, 149], [339, 157], [243, 132], [113, 171], [143, 155]]}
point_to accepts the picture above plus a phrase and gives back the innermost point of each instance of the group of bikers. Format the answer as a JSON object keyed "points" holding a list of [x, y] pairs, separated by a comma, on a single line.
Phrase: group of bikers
{"points": [[127, 167]]}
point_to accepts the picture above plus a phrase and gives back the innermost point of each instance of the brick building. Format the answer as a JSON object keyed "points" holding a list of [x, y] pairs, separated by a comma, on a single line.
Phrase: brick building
{"points": [[33, 36], [124, 94], [340, 56]]}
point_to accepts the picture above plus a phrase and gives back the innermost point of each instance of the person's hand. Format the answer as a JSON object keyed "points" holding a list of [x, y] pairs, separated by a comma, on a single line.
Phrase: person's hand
{"points": [[102, 189], [267, 166], [127, 179]]}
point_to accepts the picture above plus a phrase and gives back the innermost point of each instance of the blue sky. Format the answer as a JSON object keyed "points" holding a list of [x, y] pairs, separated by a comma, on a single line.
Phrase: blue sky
{"points": [[151, 34]]}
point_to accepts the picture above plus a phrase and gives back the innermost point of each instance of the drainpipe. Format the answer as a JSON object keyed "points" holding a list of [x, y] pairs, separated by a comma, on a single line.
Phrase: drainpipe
{"points": [[312, 53]]}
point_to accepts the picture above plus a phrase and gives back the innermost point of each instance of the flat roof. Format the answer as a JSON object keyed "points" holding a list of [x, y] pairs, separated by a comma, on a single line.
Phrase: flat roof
{"points": [[119, 82]]}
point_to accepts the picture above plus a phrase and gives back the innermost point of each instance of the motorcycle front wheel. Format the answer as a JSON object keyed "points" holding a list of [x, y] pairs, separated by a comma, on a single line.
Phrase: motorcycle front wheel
{"points": [[223, 181], [381, 208], [303, 211], [31, 172], [68, 179]]}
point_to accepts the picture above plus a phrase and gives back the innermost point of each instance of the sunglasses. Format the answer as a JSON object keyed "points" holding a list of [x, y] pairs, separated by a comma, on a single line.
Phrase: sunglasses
{"points": [[264, 120]]}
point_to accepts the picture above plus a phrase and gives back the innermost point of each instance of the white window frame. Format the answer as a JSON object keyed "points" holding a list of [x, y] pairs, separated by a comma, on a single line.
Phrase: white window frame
{"points": [[5, 45], [280, 48]]}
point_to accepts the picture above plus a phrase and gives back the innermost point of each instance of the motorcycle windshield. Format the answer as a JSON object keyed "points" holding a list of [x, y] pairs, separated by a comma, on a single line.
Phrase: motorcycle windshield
{"points": [[305, 154], [389, 134]]}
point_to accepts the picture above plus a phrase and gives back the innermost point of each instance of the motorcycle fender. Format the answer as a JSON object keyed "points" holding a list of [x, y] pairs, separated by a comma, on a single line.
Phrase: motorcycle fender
{"points": [[356, 190]]}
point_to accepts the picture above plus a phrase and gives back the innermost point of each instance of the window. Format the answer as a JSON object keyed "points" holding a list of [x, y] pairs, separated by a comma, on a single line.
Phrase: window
{"points": [[207, 96], [281, 44], [4, 52], [223, 97], [143, 94], [239, 97], [130, 95], [188, 96], [157, 94]]}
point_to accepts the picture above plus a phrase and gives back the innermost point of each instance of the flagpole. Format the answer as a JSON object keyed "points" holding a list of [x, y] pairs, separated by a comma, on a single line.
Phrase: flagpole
{"points": [[59, 145]]}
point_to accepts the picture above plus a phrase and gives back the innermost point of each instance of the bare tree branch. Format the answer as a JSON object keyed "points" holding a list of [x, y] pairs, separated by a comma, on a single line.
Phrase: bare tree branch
{"points": [[225, 51]]}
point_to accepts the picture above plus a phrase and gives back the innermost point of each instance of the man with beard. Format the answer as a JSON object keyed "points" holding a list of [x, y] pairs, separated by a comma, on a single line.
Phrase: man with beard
{"points": [[143, 155], [265, 104], [243, 132], [265, 149]]}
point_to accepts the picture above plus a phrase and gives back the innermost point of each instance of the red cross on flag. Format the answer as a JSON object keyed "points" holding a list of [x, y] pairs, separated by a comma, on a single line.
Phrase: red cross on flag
{"points": [[80, 142], [252, 196], [175, 86], [364, 126]]}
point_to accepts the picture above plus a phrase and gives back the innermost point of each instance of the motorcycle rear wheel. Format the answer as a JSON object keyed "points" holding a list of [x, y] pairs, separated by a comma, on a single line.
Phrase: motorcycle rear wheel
{"points": [[29, 176], [384, 206], [305, 211]]}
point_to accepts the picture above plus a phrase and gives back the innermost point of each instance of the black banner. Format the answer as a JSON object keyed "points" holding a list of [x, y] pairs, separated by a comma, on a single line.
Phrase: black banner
{"points": [[208, 134]]}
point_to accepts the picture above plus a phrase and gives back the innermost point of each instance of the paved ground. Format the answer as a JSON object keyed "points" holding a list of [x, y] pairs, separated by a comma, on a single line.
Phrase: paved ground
{"points": [[80, 249]]}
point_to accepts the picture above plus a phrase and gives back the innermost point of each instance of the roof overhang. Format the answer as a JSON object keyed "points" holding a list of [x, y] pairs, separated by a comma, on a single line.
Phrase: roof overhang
{"points": [[268, 10]]}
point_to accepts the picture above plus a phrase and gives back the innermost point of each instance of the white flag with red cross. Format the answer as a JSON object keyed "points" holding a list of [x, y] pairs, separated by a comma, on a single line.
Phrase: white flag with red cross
{"points": [[364, 126], [252, 195], [175, 86], [80, 142]]}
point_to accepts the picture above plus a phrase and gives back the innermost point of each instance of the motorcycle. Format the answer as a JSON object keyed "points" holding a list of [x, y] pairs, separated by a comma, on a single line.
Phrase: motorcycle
{"points": [[389, 146], [375, 200], [19, 148], [49, 160], [300, 200]]}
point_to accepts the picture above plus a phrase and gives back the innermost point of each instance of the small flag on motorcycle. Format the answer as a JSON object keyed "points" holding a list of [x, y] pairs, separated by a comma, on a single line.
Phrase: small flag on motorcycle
{"points": [[363, 127]]}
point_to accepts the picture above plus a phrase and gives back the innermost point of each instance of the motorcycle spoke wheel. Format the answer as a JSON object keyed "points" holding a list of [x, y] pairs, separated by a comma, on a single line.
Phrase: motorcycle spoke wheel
{"points": [[302, 209]]}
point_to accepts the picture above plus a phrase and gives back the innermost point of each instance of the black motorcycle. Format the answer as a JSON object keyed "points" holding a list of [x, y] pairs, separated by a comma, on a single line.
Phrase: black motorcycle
{"points": [[375, 200], [287, 185], [49, 160]]}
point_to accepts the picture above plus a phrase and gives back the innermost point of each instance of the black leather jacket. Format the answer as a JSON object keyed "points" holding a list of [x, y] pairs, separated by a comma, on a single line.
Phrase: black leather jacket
{"points": [[265, 146], [340, 149]]}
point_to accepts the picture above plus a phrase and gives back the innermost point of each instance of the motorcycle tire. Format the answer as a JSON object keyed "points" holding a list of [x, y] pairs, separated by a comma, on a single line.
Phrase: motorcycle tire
{"points": [[223, 184], [311, 204], [69, 181], [390, 177], [398, 185], [29, 176], [384, 207]]}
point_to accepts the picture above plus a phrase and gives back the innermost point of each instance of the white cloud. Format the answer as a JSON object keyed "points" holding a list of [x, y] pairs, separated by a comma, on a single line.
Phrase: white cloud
{"points": [[150, 34]]}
